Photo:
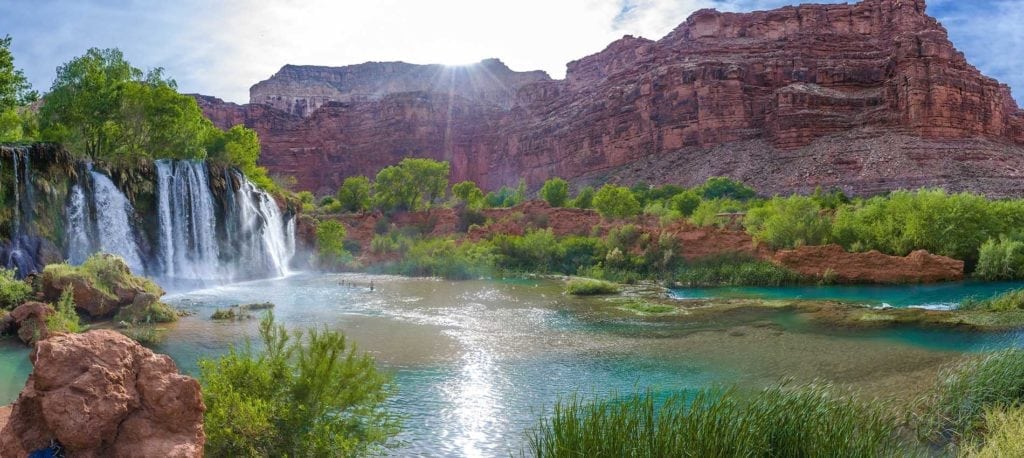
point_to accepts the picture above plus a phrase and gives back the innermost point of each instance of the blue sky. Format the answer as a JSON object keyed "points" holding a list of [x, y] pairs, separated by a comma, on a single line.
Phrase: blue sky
{"points": [[221, 48]]}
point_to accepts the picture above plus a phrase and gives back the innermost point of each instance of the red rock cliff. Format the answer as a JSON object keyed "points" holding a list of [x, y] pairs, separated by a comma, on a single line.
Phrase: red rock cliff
{"points": [[867, 97]]}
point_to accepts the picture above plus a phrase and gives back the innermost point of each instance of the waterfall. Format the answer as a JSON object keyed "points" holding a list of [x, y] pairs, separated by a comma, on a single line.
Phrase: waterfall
{"points": [[115, 232], [255, 240], [99, 218]]}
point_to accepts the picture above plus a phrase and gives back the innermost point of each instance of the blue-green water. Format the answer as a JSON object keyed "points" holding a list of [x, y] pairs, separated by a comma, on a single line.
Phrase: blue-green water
{"points": [[475, 363], [940, 295]]}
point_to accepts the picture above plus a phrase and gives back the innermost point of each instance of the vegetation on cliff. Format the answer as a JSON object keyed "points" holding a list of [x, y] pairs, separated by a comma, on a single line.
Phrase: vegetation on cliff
{"points": [[298, 395], [16, 123]]}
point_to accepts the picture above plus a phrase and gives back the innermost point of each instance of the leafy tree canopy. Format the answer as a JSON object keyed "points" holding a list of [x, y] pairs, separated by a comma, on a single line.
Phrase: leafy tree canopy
{"points": [[413, 184], [354, 194], [15, 89], [555, 191], [616, 202]]}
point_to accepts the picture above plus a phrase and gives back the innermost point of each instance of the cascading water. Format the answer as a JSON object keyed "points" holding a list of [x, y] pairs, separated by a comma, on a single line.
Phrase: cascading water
{"points": [[101, 220], [255, 243]]}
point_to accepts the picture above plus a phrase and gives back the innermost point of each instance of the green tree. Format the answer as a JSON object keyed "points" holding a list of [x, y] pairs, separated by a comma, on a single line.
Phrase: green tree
{"points": [[685, 202], [312, 396], [726, 188], [1001, 259], [789, 222], [14, 87], [584, 198], [240, 147], [468, 193], [330, 239], [354, 194], [555, 191], [414, 184], [616, 202]]}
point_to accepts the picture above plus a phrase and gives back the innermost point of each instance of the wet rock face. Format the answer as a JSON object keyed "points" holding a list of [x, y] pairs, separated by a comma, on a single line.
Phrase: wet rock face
{"points": [[102, 394], [781, 99]]}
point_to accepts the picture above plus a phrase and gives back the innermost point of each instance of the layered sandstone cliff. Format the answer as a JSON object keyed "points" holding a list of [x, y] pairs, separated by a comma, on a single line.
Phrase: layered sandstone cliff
{"points": [[866, 97]]}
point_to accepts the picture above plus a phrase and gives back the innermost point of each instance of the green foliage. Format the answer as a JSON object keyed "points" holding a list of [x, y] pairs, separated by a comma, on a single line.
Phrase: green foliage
{"points": [[468, 193], [1003, 435], [789, 222], [589, 287], [312, 396], [534, 251], [414, 184], [354, 194], [584, 198], [736, 270], [832, 199], [446, 259], [715, 212], [1005, 302], [240, 146], [616, 202], [65, 319], [104, 272], [953, 225], [954, 411], [643, 307], [15, 89], [685, 202], [1000, 260], [725, 188], [330, 238], [12, 291], [776, 422], [506, 197], [555, 191], [146, 312]]}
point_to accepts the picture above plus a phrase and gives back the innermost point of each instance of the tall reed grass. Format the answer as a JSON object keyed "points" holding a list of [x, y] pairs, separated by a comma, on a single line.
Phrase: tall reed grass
{"points": [[804, 421]]}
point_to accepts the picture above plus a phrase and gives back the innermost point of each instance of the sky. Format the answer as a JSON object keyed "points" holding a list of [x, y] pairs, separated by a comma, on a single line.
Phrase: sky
{"points": [[221, 48]]}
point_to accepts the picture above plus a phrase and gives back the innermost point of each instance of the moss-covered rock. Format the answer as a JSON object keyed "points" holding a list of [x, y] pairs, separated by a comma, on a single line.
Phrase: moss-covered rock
{"points": [[102, 284]]}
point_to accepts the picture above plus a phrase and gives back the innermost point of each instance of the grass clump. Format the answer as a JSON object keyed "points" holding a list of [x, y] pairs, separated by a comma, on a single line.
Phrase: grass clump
{"points": [[778, 421], [64, 318], [1005, 302], [240, 312], [146, 309], [736, 270], [103, 272], [12, 291], [954, 411], [590, 287], [1004, 435], [146, 334]]}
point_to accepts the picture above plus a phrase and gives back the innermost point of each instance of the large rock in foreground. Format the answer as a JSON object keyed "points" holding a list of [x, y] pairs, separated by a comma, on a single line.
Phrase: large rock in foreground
{"points": [[871, 267], [102, 394]]}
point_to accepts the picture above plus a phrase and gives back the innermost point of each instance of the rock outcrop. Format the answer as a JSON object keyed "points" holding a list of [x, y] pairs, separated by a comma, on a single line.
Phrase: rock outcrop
{"points": [[28, 321], [102, 394], [871, 267], [866, 97], [98, 301]]}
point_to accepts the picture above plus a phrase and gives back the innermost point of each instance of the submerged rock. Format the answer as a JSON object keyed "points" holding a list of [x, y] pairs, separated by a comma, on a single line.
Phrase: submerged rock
{"points": [[102, 394]]}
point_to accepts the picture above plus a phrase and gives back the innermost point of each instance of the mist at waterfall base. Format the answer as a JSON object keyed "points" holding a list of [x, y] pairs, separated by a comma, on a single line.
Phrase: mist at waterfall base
{"points": [[191, 237]]}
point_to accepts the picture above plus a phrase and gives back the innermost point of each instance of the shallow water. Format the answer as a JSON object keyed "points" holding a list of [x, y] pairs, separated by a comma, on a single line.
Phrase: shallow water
{"points": [[938, 296], [476, 362]]}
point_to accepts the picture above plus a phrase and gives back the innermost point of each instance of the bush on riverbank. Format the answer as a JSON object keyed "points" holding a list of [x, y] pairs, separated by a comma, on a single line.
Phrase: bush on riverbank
{"points": [[954, 411], [1001, 259], [736, 270], [779, 421], [297, 396], [1003, 437], [64, 318], [12, 291], [590, 287], [1005, 302]]}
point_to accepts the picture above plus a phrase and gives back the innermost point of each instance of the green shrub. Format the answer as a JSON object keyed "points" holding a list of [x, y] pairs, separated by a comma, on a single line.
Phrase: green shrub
{"points": [[414, 184], [555, 191], [725, 188], [1000, 260], [685, 203], [735, 270], [446, 259], [354, 194], [954, 411], [1005, 302], [789, 222], [590, 287], [584, 198], [616, 202], [65, 319], [715, 212], [12, 291], [312, 396], [330, 238], [469, 194], [777, 422], [147, 312]]}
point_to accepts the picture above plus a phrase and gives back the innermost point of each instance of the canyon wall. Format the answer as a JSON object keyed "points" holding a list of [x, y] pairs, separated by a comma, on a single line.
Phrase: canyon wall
{"points": [[865, 97]]}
